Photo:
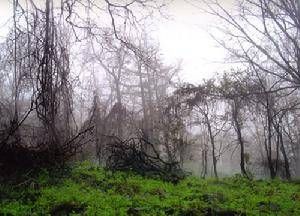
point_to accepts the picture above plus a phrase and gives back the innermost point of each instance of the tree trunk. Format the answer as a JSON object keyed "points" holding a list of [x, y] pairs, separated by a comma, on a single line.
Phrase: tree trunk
{"points": [[204, 162], [269, 139], [283, 151], [145, 124], [238, 129], [212, 142]]}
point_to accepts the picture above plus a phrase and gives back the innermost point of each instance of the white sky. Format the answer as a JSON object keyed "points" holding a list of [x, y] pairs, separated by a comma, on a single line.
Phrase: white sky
{"points": [[5, 14], [184, 36], [187, 37]]}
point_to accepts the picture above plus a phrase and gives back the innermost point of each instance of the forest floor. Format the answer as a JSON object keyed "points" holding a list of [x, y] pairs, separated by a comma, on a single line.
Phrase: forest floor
{"points": [[86, 189]]}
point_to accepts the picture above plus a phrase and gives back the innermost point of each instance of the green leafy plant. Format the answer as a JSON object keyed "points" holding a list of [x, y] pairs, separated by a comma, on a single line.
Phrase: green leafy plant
{"points": [[87, 189]]}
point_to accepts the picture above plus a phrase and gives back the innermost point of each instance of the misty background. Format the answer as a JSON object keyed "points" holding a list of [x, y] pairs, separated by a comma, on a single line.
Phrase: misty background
{"points": [[210, 87]]}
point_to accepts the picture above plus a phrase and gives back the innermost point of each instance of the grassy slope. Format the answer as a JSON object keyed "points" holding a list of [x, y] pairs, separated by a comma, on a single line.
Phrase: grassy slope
{"points": [[89, 190]]}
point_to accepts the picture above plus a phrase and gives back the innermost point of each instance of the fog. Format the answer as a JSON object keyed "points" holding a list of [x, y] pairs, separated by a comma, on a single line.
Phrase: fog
{"points": [[209, 88]]}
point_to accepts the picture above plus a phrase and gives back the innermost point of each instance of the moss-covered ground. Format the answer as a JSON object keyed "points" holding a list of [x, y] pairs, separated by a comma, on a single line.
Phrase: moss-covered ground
{"points": [[86, 189]]}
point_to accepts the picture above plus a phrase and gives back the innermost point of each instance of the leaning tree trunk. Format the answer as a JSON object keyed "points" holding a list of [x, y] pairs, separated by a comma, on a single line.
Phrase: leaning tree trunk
{"points": [[238, 129]]}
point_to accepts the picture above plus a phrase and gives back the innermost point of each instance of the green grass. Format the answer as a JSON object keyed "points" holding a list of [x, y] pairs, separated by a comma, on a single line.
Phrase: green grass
{"points": [[89, 190]]}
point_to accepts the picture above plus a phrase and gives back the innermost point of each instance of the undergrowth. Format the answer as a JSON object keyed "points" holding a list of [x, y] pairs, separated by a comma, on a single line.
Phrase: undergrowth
{"points": [[86, 189]]}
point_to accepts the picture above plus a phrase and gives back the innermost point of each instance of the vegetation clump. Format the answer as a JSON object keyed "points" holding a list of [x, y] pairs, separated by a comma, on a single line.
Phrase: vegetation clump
{"points": [[130, 155], [86, 189]]}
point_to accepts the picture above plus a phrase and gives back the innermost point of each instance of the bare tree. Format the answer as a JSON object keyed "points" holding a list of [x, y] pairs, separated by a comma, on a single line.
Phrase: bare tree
{"points": [[203, 99], [264, 34], [234, 89]]}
